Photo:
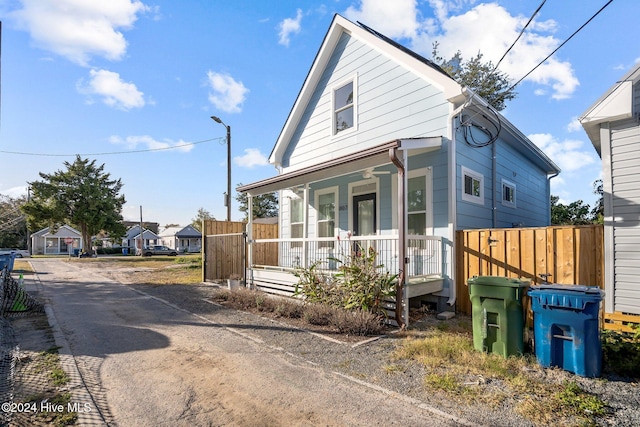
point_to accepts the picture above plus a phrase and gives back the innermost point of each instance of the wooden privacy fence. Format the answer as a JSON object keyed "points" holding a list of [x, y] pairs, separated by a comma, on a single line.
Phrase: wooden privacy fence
{"points": [[225, 248], [572, 255]]}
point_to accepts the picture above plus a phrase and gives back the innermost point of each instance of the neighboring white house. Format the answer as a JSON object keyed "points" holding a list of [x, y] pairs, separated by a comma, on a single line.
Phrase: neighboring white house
{"points": [[132, 238], [613, 125], [384, 149], [183, 239], [64, 241]]}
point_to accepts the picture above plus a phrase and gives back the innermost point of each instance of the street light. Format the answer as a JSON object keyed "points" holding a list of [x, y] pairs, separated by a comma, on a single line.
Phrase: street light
{"points": [[227, 197]]}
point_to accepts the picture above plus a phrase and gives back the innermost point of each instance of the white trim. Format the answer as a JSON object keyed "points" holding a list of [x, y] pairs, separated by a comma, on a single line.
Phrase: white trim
{"points": [[336, 207], [354, 81], [427, 173], [374, 180], [479, 200]]}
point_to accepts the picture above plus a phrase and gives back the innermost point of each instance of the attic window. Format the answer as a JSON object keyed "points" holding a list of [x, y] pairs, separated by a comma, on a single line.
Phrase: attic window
{"points": [[343, 108]]}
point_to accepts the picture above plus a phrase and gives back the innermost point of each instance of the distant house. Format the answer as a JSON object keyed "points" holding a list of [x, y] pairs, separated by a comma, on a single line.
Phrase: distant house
{"points": [[132, 238], [613, 126], [64, 241], [182, 239], [382, 149]]}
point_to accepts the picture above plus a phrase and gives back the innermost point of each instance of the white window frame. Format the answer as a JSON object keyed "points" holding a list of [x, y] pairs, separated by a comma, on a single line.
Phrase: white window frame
{"points": [[317, 194], [292, 201], [425, 173], [510, 203], [466, 172], [334, 131]]}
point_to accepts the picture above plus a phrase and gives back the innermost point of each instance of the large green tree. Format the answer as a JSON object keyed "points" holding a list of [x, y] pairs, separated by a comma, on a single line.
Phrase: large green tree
{"points": [[264, 205], [479, 76], [83, 196], [575, 213]]}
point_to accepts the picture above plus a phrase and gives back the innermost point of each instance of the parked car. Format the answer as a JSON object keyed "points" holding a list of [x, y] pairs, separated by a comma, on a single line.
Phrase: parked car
{"points": [[159, 250], [20, 253]]}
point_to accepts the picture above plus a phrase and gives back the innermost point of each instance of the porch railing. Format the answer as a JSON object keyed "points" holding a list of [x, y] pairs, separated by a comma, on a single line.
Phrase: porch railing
{"points": [[424, 253]]}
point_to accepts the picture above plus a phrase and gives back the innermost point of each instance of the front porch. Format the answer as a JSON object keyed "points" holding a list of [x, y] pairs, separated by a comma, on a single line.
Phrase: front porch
{"points": [[273, 262]]}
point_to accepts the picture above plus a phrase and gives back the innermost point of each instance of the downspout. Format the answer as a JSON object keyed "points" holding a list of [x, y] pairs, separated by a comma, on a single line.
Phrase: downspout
{"points": [[401, 316], [453, 192], [248, 281], [549, 178], [494, 187]]}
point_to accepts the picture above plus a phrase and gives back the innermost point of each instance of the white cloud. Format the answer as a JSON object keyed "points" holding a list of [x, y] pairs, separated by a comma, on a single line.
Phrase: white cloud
{"points": [[79, 29], [574, 125], [487, 28], [570, 154], [392, 18], [228, 94], [146, 142], [114, 92], [252, 157], [289, 26]]}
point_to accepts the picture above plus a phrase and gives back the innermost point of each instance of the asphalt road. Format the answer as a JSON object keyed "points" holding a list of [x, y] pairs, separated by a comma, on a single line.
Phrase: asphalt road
{"points": [[142, 361]]}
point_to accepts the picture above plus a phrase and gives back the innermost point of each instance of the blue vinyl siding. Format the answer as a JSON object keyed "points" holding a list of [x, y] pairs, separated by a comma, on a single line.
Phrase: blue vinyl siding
{"points": [[532, 196], [391, 102]]}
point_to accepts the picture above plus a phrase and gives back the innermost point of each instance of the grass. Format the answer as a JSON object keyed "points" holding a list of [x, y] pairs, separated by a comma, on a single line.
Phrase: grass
{"points": [[469, 376]]}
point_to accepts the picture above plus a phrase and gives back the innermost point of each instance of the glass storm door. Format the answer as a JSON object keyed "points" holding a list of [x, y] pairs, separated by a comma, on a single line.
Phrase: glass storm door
{"points": [[364, 219]]}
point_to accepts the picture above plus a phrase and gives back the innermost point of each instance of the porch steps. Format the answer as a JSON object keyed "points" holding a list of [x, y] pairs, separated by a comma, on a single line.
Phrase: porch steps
{"points": [[424, 285], [279, 282]]}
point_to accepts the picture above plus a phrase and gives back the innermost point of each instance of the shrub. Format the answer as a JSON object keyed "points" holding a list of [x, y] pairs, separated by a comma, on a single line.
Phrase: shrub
{"points": [[359, 284], [357, 322], [621, 352], [318, 314]]}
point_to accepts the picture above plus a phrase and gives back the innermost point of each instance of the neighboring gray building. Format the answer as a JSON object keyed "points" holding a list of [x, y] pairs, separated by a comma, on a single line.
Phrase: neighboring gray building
{"points": [[64, 241], [613, 125]]}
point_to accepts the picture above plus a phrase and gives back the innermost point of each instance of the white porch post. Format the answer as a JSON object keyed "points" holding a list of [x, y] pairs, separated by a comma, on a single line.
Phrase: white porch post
{"points": [[305, 225], [249, 280], [402, 306]]}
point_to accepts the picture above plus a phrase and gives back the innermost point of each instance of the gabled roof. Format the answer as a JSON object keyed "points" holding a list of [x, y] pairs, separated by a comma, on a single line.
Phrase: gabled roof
{"points": [[615, 104], [408, 59], [181, 232], [63, 231]]}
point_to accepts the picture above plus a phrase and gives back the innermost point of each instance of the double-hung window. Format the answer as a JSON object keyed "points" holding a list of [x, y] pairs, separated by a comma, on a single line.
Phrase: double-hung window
{"points": [[343, 108], [326, 205], [297, 221]]}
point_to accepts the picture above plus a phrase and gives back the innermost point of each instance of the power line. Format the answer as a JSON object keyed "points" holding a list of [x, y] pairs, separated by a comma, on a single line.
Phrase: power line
{"points": [[521, 33], [562, 44], [113, 152]]}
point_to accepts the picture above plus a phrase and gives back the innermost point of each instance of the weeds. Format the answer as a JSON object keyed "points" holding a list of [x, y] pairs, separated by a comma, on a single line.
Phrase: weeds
{"points": [[359, 284], [621, 352]]}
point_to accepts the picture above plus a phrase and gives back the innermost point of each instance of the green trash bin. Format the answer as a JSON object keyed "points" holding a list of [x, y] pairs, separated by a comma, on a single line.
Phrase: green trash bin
{"points": [[497, 314]]}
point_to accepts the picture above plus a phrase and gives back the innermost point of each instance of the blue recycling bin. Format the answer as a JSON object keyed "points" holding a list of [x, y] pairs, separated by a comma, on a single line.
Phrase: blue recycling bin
{"points": [[125, 251], [6, 260], [566, 327], [76, 252]]}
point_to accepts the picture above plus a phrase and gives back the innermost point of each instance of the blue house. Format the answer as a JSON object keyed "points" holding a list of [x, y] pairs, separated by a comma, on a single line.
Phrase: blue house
{"points": [[382, 149]]}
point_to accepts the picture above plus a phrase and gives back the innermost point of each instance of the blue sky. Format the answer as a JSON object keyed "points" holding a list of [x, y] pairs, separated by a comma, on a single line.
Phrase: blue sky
{"points": [[124, 81]]}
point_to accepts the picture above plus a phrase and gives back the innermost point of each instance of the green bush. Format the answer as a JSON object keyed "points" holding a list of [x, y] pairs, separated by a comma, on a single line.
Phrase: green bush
{"points": [[359, 284], [621, 352]]}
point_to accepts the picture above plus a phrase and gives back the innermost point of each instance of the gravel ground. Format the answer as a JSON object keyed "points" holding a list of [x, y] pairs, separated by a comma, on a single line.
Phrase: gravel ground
{"points": [[368, 360]]}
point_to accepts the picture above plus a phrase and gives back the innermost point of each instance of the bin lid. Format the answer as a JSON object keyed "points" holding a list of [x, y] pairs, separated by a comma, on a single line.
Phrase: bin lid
{"points": [[498, 281], [574, 297], [556, 287]]}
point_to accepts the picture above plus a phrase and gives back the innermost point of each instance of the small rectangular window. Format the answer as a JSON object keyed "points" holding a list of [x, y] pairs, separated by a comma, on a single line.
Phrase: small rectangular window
{"points": [[297, 221], [472, 186], [508, 194], [343, 108]]}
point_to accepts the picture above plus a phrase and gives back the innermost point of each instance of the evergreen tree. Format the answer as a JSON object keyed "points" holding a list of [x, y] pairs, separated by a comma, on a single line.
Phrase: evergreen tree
{"points": [[82, 196], [264, 205]]}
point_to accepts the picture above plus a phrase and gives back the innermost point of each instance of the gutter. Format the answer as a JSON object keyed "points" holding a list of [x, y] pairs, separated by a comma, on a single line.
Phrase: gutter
{"points": [[402, 304]]}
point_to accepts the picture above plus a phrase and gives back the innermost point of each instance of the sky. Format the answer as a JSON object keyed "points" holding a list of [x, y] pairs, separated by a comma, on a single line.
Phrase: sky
{"points": [[133, 84]]}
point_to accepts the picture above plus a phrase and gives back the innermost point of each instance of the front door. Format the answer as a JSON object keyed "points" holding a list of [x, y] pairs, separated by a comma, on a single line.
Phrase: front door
{"points": [[364, 217]]}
